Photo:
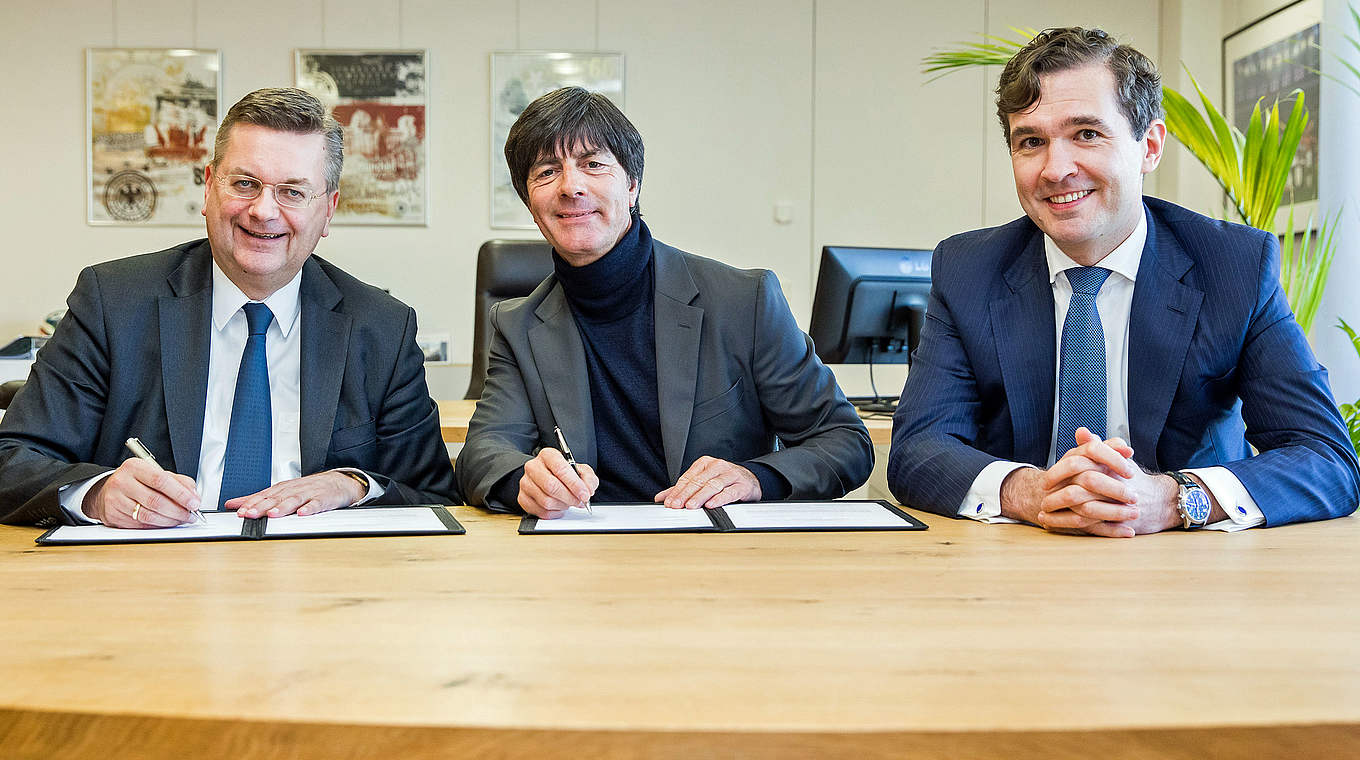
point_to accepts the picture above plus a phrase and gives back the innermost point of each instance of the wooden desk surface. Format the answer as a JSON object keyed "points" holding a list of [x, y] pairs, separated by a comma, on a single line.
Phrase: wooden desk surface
{"points": [[965, 640], [454, 416]]}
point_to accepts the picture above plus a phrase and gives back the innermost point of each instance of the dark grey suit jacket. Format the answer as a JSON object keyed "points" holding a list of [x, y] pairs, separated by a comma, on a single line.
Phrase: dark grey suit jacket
{"points": [[131, 359], [733, 372]]}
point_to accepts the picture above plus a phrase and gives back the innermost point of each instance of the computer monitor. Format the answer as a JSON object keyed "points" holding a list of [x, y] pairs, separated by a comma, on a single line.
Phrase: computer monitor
{"points": [[870, 304]]}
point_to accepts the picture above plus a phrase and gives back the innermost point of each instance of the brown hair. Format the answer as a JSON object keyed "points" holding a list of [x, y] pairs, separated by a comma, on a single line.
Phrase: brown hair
{"points": [[1138, 86]]}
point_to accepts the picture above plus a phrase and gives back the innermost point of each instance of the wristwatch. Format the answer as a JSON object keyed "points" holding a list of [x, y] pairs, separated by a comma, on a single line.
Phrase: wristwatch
{"points": [[1192, 502]]}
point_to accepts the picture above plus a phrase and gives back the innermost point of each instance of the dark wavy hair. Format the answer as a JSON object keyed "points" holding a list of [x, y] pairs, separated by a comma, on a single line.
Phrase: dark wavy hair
{"points": [[564, 119], [1138, 86]]}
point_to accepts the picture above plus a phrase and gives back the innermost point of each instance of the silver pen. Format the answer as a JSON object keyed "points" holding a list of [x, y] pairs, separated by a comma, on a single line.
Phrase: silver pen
{"points": [[140, 451], [571, 460]]}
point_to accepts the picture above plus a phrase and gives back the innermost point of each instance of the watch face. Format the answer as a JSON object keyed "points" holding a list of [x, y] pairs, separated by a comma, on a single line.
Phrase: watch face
{"points": [[1197, 505]]}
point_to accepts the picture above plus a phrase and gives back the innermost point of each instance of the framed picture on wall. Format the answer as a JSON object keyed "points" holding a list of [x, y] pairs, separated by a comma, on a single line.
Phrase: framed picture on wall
{"points": [[380, 98], [151, 118], [517, 79], [1267, 60], [435, 347]]}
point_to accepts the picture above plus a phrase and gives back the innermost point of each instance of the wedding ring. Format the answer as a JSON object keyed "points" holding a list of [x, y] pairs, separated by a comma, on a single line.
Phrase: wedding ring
{"points": [[135, 511]]}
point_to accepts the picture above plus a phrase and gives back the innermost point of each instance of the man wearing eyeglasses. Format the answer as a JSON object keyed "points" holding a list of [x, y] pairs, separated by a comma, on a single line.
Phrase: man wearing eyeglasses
{"points": [[263, 379]]}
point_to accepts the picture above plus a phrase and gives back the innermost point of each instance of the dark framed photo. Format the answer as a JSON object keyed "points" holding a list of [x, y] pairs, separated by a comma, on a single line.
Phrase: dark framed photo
{"points": [[1268, 60]]}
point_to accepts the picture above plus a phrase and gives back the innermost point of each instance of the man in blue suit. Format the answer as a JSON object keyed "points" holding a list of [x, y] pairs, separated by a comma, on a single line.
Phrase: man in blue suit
{"points": [[1100, 365]]}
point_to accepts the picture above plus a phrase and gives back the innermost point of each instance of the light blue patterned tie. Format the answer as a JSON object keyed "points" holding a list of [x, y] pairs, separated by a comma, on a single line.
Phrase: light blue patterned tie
{"points": [[1081, 373], [246, 466]]}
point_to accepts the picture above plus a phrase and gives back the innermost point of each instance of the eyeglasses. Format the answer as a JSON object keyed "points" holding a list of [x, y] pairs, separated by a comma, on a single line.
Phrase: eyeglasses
{"points": [[285, 194]]}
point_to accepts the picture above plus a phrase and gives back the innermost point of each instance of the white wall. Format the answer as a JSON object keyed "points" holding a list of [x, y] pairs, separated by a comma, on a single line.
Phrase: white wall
{"points": [[818, 104], [1339, 188]]}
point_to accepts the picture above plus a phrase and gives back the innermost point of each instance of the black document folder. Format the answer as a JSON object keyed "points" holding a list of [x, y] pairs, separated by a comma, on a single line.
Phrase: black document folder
{"points": [[423, 520], [750, 517]]}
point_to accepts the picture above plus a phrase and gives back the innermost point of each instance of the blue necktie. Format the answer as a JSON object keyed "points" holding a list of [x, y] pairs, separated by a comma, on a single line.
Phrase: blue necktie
{"points": [[245, 469], [1081, 373]]}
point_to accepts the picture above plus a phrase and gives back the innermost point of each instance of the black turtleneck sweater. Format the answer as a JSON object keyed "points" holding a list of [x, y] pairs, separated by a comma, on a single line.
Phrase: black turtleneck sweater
{"points": [[612, 299]]}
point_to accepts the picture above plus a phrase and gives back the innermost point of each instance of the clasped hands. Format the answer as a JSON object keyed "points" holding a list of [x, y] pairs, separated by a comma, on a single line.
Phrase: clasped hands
{"points": [[549, 486], [1095, 488], [139, 494]]}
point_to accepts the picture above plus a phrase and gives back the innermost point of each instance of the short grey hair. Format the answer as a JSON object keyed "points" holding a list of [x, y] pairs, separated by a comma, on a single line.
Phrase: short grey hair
{"points": [[286, 109]]}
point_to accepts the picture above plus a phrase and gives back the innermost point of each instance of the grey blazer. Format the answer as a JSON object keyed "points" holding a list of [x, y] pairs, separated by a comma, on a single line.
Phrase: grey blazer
{"points": [[733, 373]]}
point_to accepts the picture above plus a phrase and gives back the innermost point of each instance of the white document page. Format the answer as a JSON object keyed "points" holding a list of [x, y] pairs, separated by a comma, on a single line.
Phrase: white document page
{"points": [[626, 517], [824, 514], [343, 521], [218, 525]]}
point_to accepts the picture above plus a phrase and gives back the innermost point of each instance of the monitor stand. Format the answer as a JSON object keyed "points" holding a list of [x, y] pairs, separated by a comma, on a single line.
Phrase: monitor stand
{"points": [[875, 404]]}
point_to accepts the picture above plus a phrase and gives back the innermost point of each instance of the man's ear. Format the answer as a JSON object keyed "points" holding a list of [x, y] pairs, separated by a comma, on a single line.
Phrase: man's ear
{"points": [[207, 185], [332, 200], [1155, 143]]}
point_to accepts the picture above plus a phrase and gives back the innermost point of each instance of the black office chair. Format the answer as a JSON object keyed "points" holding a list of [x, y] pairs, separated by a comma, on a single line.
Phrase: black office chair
{"points": [[7, 391], [505, 269]]}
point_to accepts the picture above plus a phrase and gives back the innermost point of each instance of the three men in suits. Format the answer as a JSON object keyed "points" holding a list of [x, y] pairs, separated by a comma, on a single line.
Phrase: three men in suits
{"points": [[263, 379], [670, 376], [1100, 365]]}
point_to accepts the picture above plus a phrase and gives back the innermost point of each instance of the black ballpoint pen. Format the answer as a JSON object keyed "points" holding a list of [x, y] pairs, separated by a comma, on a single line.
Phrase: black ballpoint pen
{"points": [[571, 460]]}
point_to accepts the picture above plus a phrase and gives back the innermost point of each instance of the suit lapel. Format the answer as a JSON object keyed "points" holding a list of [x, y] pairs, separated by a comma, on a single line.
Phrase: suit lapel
{"points": [[185, 325], [560, 358], [677, 327], [1161, 324], [1022, 321], [324, 354]]}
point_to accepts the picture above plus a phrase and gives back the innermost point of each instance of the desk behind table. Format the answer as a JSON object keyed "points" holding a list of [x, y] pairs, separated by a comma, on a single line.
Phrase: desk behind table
{"points": [[454, 416], [966, 640]]}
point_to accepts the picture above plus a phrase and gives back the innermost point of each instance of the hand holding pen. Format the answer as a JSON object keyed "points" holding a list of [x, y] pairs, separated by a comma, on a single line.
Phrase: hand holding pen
{"points": [[140, 451], [552, 483], [139, 494], [571, 460]]}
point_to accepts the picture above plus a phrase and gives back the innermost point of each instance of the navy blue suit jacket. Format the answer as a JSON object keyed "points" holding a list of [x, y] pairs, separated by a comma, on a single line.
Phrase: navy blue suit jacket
{"points": [[1216, 361]]}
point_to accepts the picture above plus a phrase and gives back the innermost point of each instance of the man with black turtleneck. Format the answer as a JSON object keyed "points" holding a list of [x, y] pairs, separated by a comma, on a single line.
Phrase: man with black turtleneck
{"points": [[670, 375]]}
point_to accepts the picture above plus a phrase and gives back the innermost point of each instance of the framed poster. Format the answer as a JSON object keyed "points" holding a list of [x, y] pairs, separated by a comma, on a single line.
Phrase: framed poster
{"points": [[151, 118], [517, 79], [1270, 58], [379, 97]]}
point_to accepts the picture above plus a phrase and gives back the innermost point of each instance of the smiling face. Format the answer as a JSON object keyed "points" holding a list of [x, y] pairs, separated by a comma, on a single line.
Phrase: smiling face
{"points": [[580, 200], [257, 243], [1078, 168]]}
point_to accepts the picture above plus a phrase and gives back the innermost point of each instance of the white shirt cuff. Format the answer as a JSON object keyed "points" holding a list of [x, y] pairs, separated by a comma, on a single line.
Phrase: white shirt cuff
{"points": [[374, 490], [983, 500], [1230, 494], [71, 497]]}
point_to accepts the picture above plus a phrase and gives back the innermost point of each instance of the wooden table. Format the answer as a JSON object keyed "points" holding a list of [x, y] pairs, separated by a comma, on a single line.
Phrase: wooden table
{"points": [[454, 416], [962, 641], [453, 419]]}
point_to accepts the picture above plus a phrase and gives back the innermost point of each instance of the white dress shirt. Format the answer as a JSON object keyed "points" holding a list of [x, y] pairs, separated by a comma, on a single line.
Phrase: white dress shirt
{"points": [[227, 341], [1114, 302]]}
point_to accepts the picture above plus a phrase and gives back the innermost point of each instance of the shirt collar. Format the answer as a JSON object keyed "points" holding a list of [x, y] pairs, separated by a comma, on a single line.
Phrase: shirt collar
{"points": [[1122, 260], [227, 299]]}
